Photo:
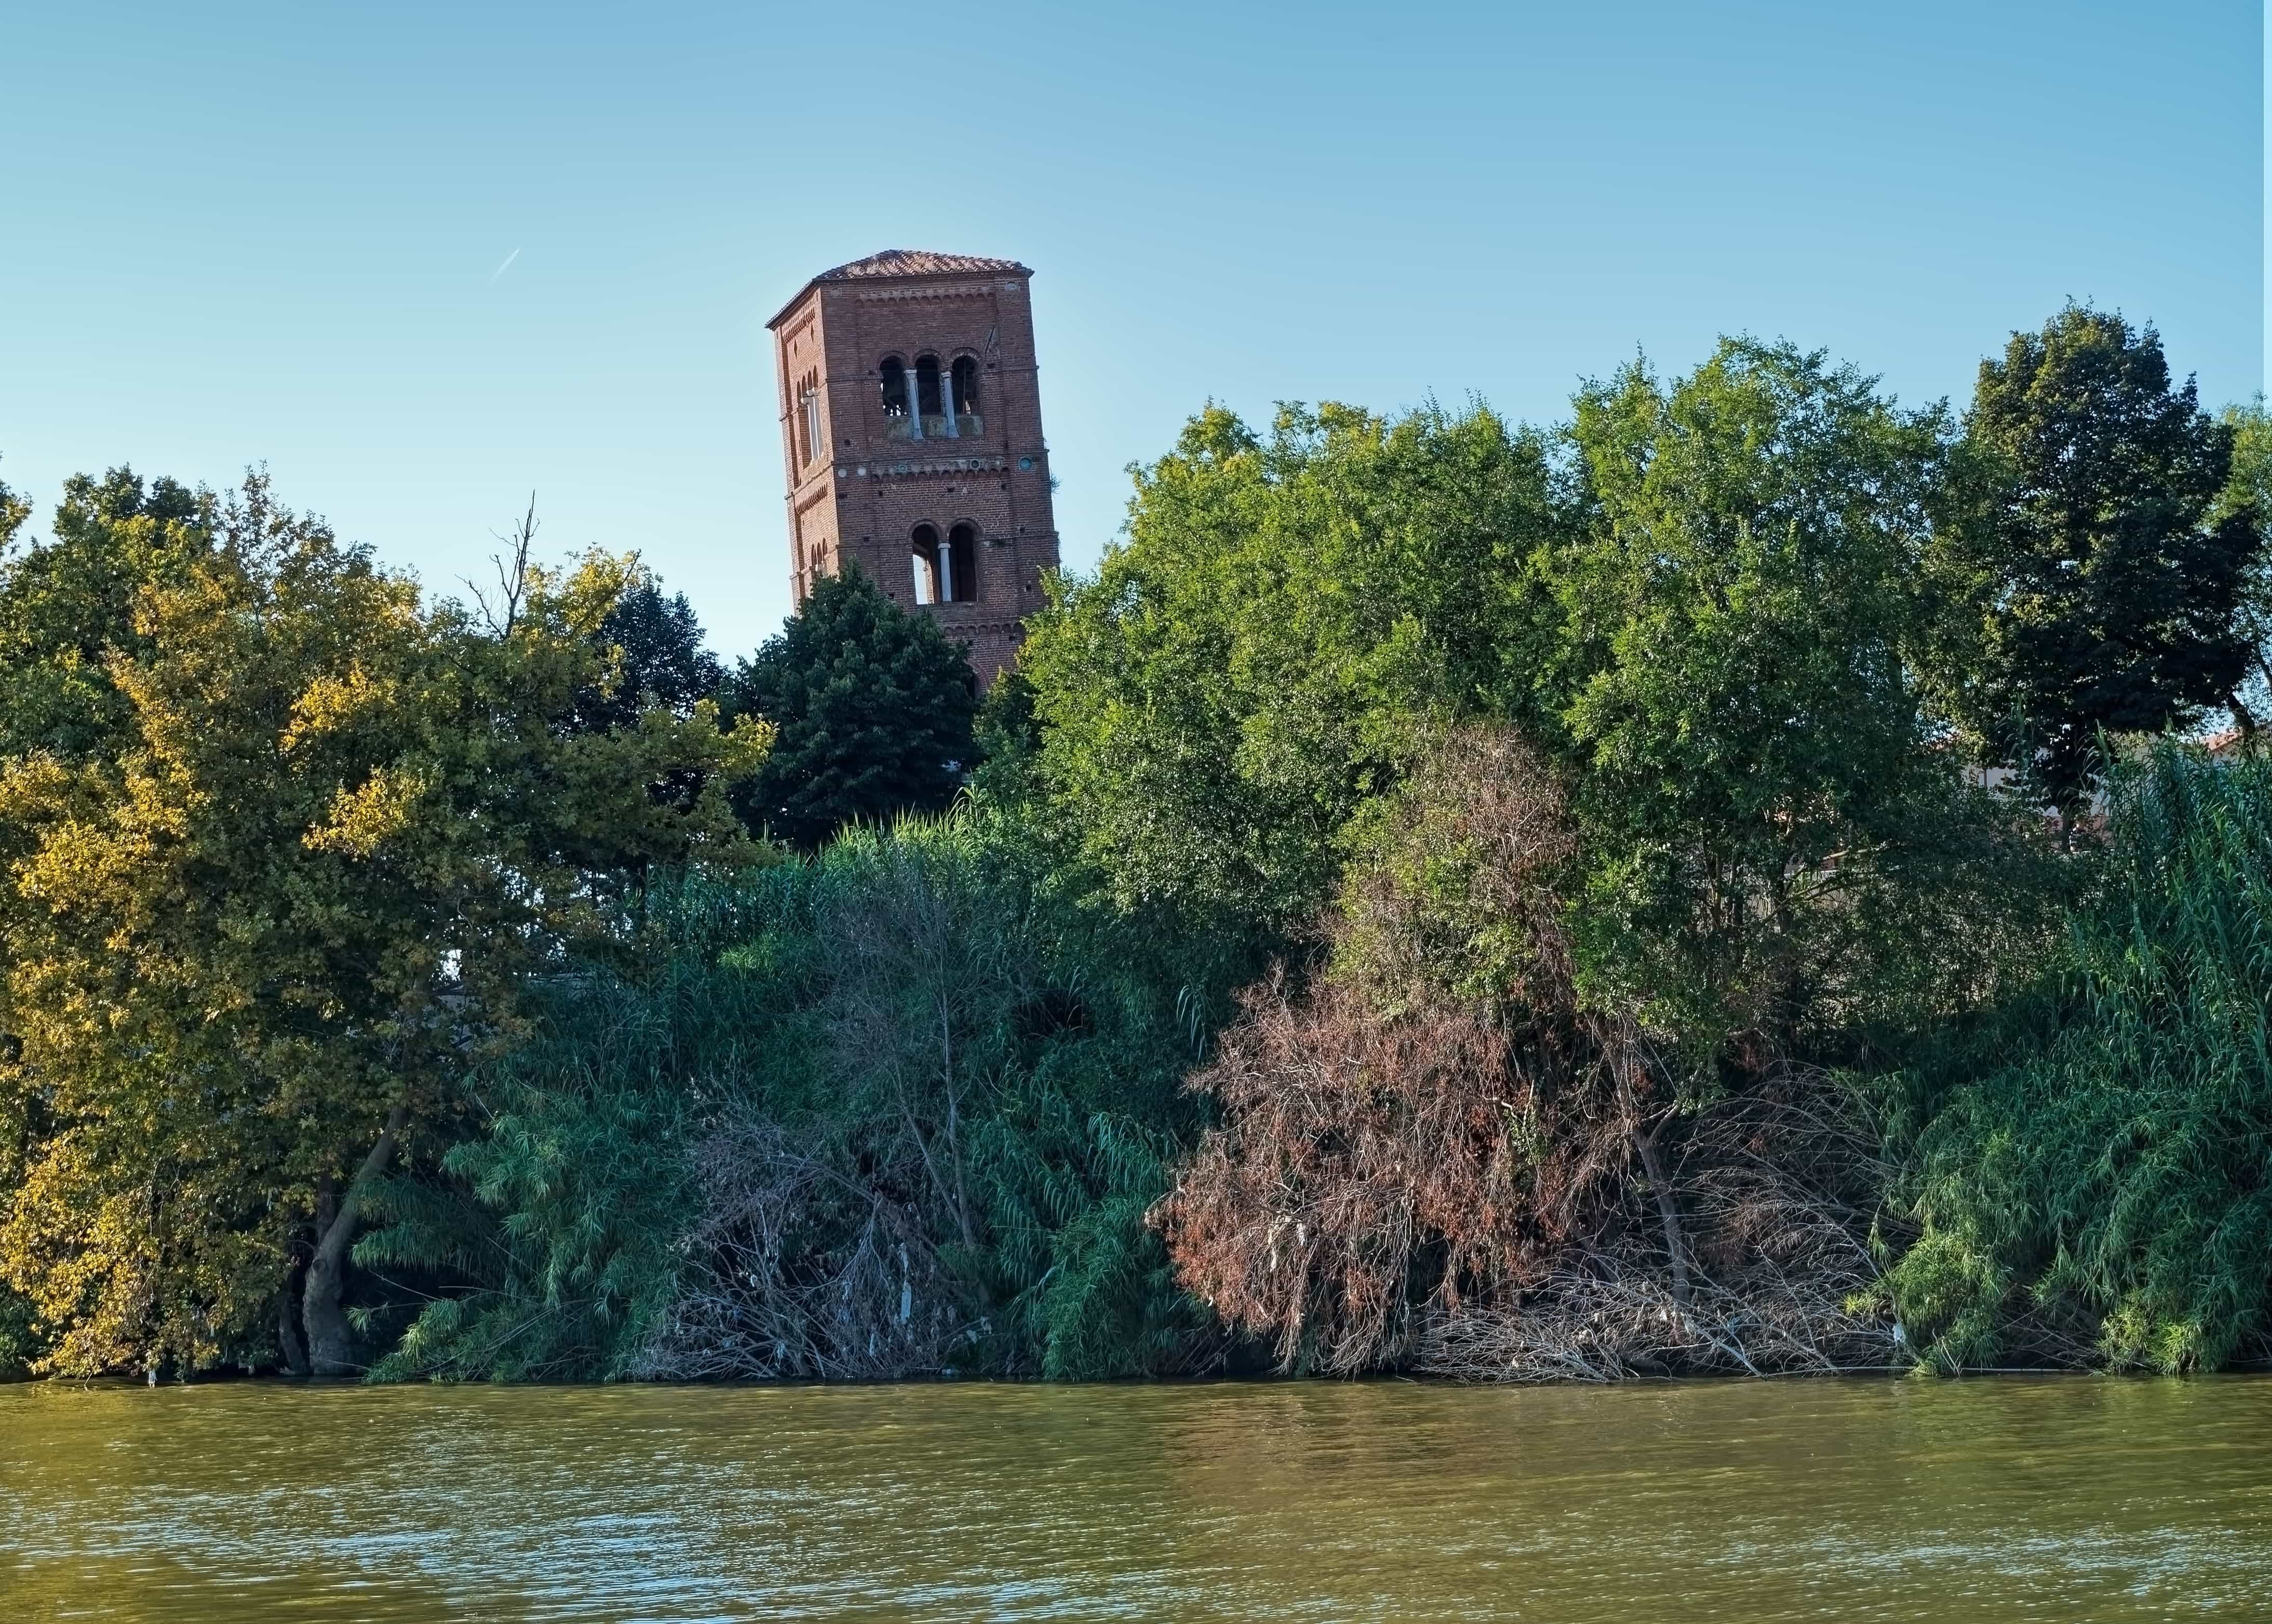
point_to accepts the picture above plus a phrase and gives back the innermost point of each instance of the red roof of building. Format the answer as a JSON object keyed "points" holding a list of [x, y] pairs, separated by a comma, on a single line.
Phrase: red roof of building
{"points": [[909, 262], [920, 262]]}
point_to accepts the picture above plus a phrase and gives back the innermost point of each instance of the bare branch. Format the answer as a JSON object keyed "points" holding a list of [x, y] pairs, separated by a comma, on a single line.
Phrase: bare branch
{"points": [[513, 573]]}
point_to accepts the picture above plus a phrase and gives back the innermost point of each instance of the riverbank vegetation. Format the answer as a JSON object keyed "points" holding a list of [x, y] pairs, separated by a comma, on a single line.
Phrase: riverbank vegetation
{"points": [[1730, 883]]}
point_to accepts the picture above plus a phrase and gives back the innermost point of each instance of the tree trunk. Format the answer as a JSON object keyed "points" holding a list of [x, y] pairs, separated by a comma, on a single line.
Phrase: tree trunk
{"points": [[1667, 1213], [2242, 717], [287, 1330], [330, 1343]]}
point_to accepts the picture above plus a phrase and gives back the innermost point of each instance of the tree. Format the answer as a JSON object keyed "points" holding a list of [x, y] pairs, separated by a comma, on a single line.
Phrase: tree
{"points": [[253, 935], [1288, 617], [872, 707], [2251, 489], [65, 603], [1769, 841], [659, 641], [1584, 968], [2097, 588]]}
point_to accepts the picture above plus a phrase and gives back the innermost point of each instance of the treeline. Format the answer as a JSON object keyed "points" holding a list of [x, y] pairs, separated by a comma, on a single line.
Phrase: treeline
{"points": [[1728, 882]]}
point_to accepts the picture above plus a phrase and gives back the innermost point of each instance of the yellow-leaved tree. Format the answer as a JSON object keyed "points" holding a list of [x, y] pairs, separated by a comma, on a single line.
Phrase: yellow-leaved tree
{"points": [[288, 871]]}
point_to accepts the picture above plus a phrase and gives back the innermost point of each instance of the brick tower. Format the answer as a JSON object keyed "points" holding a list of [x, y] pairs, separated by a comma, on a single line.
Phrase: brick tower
{"points": [[911, 429]]}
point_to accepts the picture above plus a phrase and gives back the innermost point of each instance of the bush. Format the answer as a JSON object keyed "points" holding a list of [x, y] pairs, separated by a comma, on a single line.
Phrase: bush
{"points": [[1441, 1155], [945, 1159], [19, 1341]]}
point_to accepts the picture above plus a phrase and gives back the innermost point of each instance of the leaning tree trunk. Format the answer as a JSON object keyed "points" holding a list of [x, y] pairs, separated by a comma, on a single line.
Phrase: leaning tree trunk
{"points": [[1668, 1212], [330, 1343]]}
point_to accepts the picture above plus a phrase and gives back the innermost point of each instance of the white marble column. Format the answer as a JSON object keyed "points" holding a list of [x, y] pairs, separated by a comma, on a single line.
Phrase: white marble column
{"points": [[946, 397]]}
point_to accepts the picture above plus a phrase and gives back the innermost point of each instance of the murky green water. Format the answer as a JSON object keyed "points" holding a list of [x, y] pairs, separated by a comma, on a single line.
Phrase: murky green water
{"points": [[1975, 1501]]}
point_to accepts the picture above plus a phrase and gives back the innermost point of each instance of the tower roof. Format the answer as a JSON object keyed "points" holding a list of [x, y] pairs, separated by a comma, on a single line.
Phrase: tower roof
{"points": [[910, 262]]}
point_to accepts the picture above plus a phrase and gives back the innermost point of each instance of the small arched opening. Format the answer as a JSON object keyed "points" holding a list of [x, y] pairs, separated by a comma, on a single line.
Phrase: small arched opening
{"points": [[963, 377], [961, 564], [927, 390], [899, 422], [931, 564]]}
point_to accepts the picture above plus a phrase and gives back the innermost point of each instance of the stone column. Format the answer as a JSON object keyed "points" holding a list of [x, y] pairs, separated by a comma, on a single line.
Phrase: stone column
{"points": [[946, 397], [915, 403]]}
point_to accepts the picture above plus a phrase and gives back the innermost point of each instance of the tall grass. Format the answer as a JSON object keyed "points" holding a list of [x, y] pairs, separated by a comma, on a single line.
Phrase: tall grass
{"points": [[550, 1234], [2104, 1193]]}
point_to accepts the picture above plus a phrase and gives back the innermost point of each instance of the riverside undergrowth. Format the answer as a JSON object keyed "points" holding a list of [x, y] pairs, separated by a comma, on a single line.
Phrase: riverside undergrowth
{"points": [[896, 1110], [2101, 1191]]}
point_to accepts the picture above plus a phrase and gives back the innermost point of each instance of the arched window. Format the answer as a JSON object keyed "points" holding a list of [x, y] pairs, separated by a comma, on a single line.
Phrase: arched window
{"points": [[895, 389], [962, 565], [927, 387], [927, 562], [809, 407], [964, 377]]}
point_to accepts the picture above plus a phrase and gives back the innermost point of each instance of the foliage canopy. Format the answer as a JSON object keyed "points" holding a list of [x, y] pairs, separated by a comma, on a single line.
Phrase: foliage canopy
{"points": [[2102, 582], [316, 838]]}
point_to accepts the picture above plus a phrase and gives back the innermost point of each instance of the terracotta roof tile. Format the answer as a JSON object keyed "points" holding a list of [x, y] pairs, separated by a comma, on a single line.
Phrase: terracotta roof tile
{"points": [[918, 262]]}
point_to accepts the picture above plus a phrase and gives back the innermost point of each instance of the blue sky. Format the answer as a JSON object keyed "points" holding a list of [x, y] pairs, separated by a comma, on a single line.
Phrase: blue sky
{"points": [[237, 234]]}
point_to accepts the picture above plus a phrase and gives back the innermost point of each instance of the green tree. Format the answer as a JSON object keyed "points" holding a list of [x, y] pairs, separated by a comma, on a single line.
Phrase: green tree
{"points": [[2098, 588], [253, 934], [872, 707], [1289, 615], [658, 641], [1768, 840], [2251, 489]]}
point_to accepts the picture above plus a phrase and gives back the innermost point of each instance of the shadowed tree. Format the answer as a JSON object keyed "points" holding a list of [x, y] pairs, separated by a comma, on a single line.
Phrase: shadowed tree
{"points": [[2251, 489], [874, 708], [2099, 580], [663, 660]]}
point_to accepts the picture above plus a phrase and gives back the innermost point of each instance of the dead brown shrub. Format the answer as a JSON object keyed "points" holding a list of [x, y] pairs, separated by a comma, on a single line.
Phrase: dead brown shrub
{"points": [[1371, 1170], [1773, 1188], [1437, 1155]]}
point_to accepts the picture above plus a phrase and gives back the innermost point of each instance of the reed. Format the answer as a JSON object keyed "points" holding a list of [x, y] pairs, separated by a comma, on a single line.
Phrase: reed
{"points": [[2101, 1191]]}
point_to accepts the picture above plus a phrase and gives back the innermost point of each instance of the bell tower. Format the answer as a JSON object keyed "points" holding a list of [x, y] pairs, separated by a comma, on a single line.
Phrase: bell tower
{"points": [[911, 431]]}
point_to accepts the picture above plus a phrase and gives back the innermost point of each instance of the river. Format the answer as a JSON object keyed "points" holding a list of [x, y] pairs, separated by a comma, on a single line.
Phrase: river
{"points": [[1974, 1500]]}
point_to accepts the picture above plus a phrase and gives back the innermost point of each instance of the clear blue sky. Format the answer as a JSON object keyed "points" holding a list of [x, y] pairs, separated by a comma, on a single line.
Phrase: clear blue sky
{"points": [[233, 234]]}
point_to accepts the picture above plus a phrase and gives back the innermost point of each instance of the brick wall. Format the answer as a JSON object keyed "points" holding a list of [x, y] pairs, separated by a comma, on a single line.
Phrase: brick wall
{"points": [[862, 498]]}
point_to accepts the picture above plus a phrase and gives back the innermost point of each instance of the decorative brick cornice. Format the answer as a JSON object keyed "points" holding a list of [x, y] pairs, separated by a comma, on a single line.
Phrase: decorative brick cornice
{"points": [[921, 467]]}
